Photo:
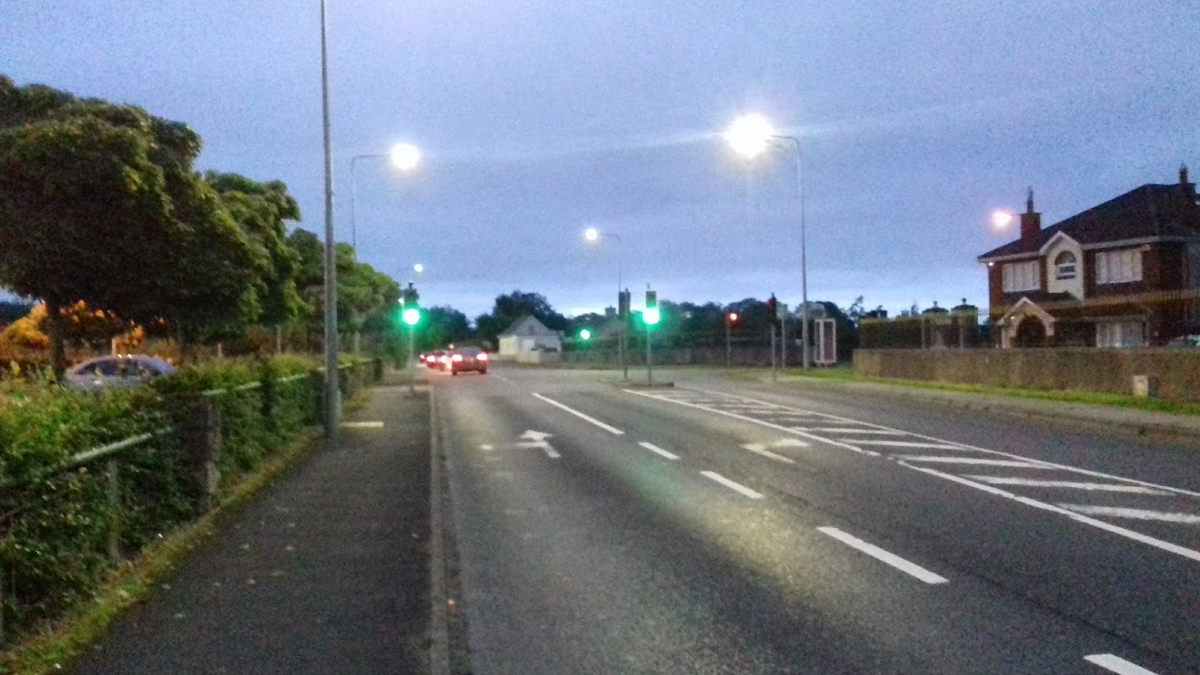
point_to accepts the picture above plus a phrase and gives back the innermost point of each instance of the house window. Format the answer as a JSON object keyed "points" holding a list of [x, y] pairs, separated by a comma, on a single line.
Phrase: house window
{"points": [[1121, 334], [1020, 277], [1064, 265], [1118, 267]]}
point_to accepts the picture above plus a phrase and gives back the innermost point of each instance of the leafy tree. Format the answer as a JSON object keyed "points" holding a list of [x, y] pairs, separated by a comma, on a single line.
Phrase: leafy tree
{"points": [[509, 308], [442, 326]]}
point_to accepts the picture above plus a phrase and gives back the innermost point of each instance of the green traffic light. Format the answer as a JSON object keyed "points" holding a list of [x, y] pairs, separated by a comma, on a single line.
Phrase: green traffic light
{"points": [[585, 334], [411, 316], [651, 316]]}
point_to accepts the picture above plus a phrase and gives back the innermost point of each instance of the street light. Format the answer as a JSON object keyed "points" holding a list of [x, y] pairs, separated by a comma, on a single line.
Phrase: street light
{"points": [[750, 136], [332, 393], [404, 156], [1001, 219], [594, 235]]}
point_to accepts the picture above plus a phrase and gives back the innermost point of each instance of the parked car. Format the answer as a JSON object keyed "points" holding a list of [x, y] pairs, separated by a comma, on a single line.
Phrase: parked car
{"points": [[1185, 341], [464, 359], [433, 359], [120, 371]]}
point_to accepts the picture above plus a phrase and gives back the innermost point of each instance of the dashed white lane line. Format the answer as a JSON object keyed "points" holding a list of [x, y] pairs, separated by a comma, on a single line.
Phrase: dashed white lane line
{"points": [[1069, 484], [732, 485], [974, 461], [362, 425], [587, 418], [757, 449], [1134, 514], [1183, 551], [659, 451], [892, 559], [1117, 665]]}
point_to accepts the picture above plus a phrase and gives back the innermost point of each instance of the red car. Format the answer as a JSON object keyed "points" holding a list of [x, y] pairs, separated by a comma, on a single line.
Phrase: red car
{"points": [[467, 358]]}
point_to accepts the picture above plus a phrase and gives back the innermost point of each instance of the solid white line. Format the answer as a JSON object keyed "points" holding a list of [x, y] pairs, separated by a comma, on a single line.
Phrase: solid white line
{"points": [[884, 556], [1075, 485], [902, 444], [770, 425], [731, 484], [1117, 665], [362, 425], [550, 451], [1099, 524], [852, 430], [752, 447], [972, 460], [1135, 514], [610, 429], [657, 450]]}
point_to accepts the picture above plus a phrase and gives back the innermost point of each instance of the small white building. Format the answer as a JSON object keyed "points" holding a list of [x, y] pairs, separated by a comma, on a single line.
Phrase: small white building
{"points": [[529, 341]]}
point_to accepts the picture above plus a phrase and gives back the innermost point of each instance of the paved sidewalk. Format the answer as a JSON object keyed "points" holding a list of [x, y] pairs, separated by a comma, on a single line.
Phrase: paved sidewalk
{"points": [[1093, 413], [326, 571]]}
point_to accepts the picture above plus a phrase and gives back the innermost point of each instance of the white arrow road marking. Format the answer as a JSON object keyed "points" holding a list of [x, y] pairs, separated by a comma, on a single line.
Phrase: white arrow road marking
{"points": [[1117, 664], [885, 556], [532, 435], [1075, 485], [761, 449], [587, 418], [658, 451], [732, 485], [1136, 514]]}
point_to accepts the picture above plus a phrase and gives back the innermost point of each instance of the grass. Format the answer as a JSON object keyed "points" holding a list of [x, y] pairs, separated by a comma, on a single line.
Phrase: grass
{"points": [[846, 374], [48, 650]]}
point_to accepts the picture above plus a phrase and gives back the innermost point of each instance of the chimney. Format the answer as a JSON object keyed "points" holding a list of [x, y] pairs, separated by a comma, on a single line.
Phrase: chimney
{"points": [[1189, 190], [1031, 222]]}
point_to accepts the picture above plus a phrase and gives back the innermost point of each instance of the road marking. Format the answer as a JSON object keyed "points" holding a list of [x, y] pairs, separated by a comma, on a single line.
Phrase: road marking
{"points": [[770, 425], [1075, 485], [852, 430], [976, 461], [362, 425], [503, 379], [659, 451], [1135, 514], [732, 485], [1080, 518], [902, 444], [1117, 665], [758, 448], [892, 559], [610, 429], [487, 446]]}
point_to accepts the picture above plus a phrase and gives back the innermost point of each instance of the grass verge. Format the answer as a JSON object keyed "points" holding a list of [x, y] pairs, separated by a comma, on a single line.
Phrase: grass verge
{"points": [[48, 650]]}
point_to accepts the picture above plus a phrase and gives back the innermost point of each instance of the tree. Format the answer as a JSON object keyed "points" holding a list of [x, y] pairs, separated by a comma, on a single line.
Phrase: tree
{"points": [[442, 326]]}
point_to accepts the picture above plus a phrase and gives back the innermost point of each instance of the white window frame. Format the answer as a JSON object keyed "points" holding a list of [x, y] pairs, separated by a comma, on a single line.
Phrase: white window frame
{"points": [[1065, 270], [1021, 276], [1120, 334], [1119, 267]]}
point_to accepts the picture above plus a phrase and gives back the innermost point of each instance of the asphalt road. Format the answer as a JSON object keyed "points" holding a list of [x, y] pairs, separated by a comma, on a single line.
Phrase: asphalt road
{"points": [[718, 527]]}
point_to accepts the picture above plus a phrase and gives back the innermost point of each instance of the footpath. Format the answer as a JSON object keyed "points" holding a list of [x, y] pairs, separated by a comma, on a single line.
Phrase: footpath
{"points": [[325, 571], [1128, 419]]}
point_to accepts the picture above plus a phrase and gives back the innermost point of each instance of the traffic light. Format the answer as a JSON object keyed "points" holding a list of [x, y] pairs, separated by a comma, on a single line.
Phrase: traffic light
{"points": [[411, 312], [409, 296], [651, 315], [773, 310], [585, 334], [623, 304], [732, 317], [411, 316]]}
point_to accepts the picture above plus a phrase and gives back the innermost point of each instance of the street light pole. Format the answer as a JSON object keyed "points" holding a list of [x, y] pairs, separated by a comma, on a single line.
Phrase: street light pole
{"points": [[592, 234], [332, 393], [804, 347]]}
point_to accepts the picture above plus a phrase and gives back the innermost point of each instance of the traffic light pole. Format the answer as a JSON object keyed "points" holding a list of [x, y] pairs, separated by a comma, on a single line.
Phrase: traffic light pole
{"points": [[774, 373], [728, 343], [412, 369], [649, 361]]}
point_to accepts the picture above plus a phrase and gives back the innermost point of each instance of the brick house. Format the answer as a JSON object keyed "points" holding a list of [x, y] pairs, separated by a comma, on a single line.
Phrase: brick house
{"points": [[1125, 273]]}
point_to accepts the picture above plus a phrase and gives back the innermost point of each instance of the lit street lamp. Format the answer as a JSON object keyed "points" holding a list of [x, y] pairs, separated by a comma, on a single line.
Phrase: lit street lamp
{"points": [[593, 235], [404, 156], [750, 136]]}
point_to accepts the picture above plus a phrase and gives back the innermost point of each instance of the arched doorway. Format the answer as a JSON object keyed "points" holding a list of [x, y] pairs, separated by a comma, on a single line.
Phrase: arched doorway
{"points": [[1030, 333]]}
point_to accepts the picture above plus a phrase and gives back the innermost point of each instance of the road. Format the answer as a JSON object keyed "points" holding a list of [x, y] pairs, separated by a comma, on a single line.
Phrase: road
{"points": [[726, 527]]}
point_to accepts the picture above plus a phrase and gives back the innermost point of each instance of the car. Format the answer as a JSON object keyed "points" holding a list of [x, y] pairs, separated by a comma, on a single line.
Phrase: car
{"points": [[119, 371], [1185, 342], [464, 359], [433, 359]]}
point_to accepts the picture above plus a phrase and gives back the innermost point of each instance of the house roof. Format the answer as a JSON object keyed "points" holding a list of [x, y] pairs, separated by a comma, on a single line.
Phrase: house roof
{"points": [[1148, 212], [535, 327]]}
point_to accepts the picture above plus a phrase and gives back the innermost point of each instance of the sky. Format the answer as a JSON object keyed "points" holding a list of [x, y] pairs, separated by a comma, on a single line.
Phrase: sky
{"points": [[537, 119]]}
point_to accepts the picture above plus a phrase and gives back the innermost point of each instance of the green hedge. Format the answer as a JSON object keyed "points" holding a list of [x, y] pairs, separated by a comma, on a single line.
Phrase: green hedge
{"points": [[56, 523]]}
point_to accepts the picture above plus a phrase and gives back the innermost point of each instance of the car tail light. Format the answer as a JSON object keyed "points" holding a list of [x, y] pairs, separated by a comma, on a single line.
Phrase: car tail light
{"points": [[482, 357], [458, 357]]}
